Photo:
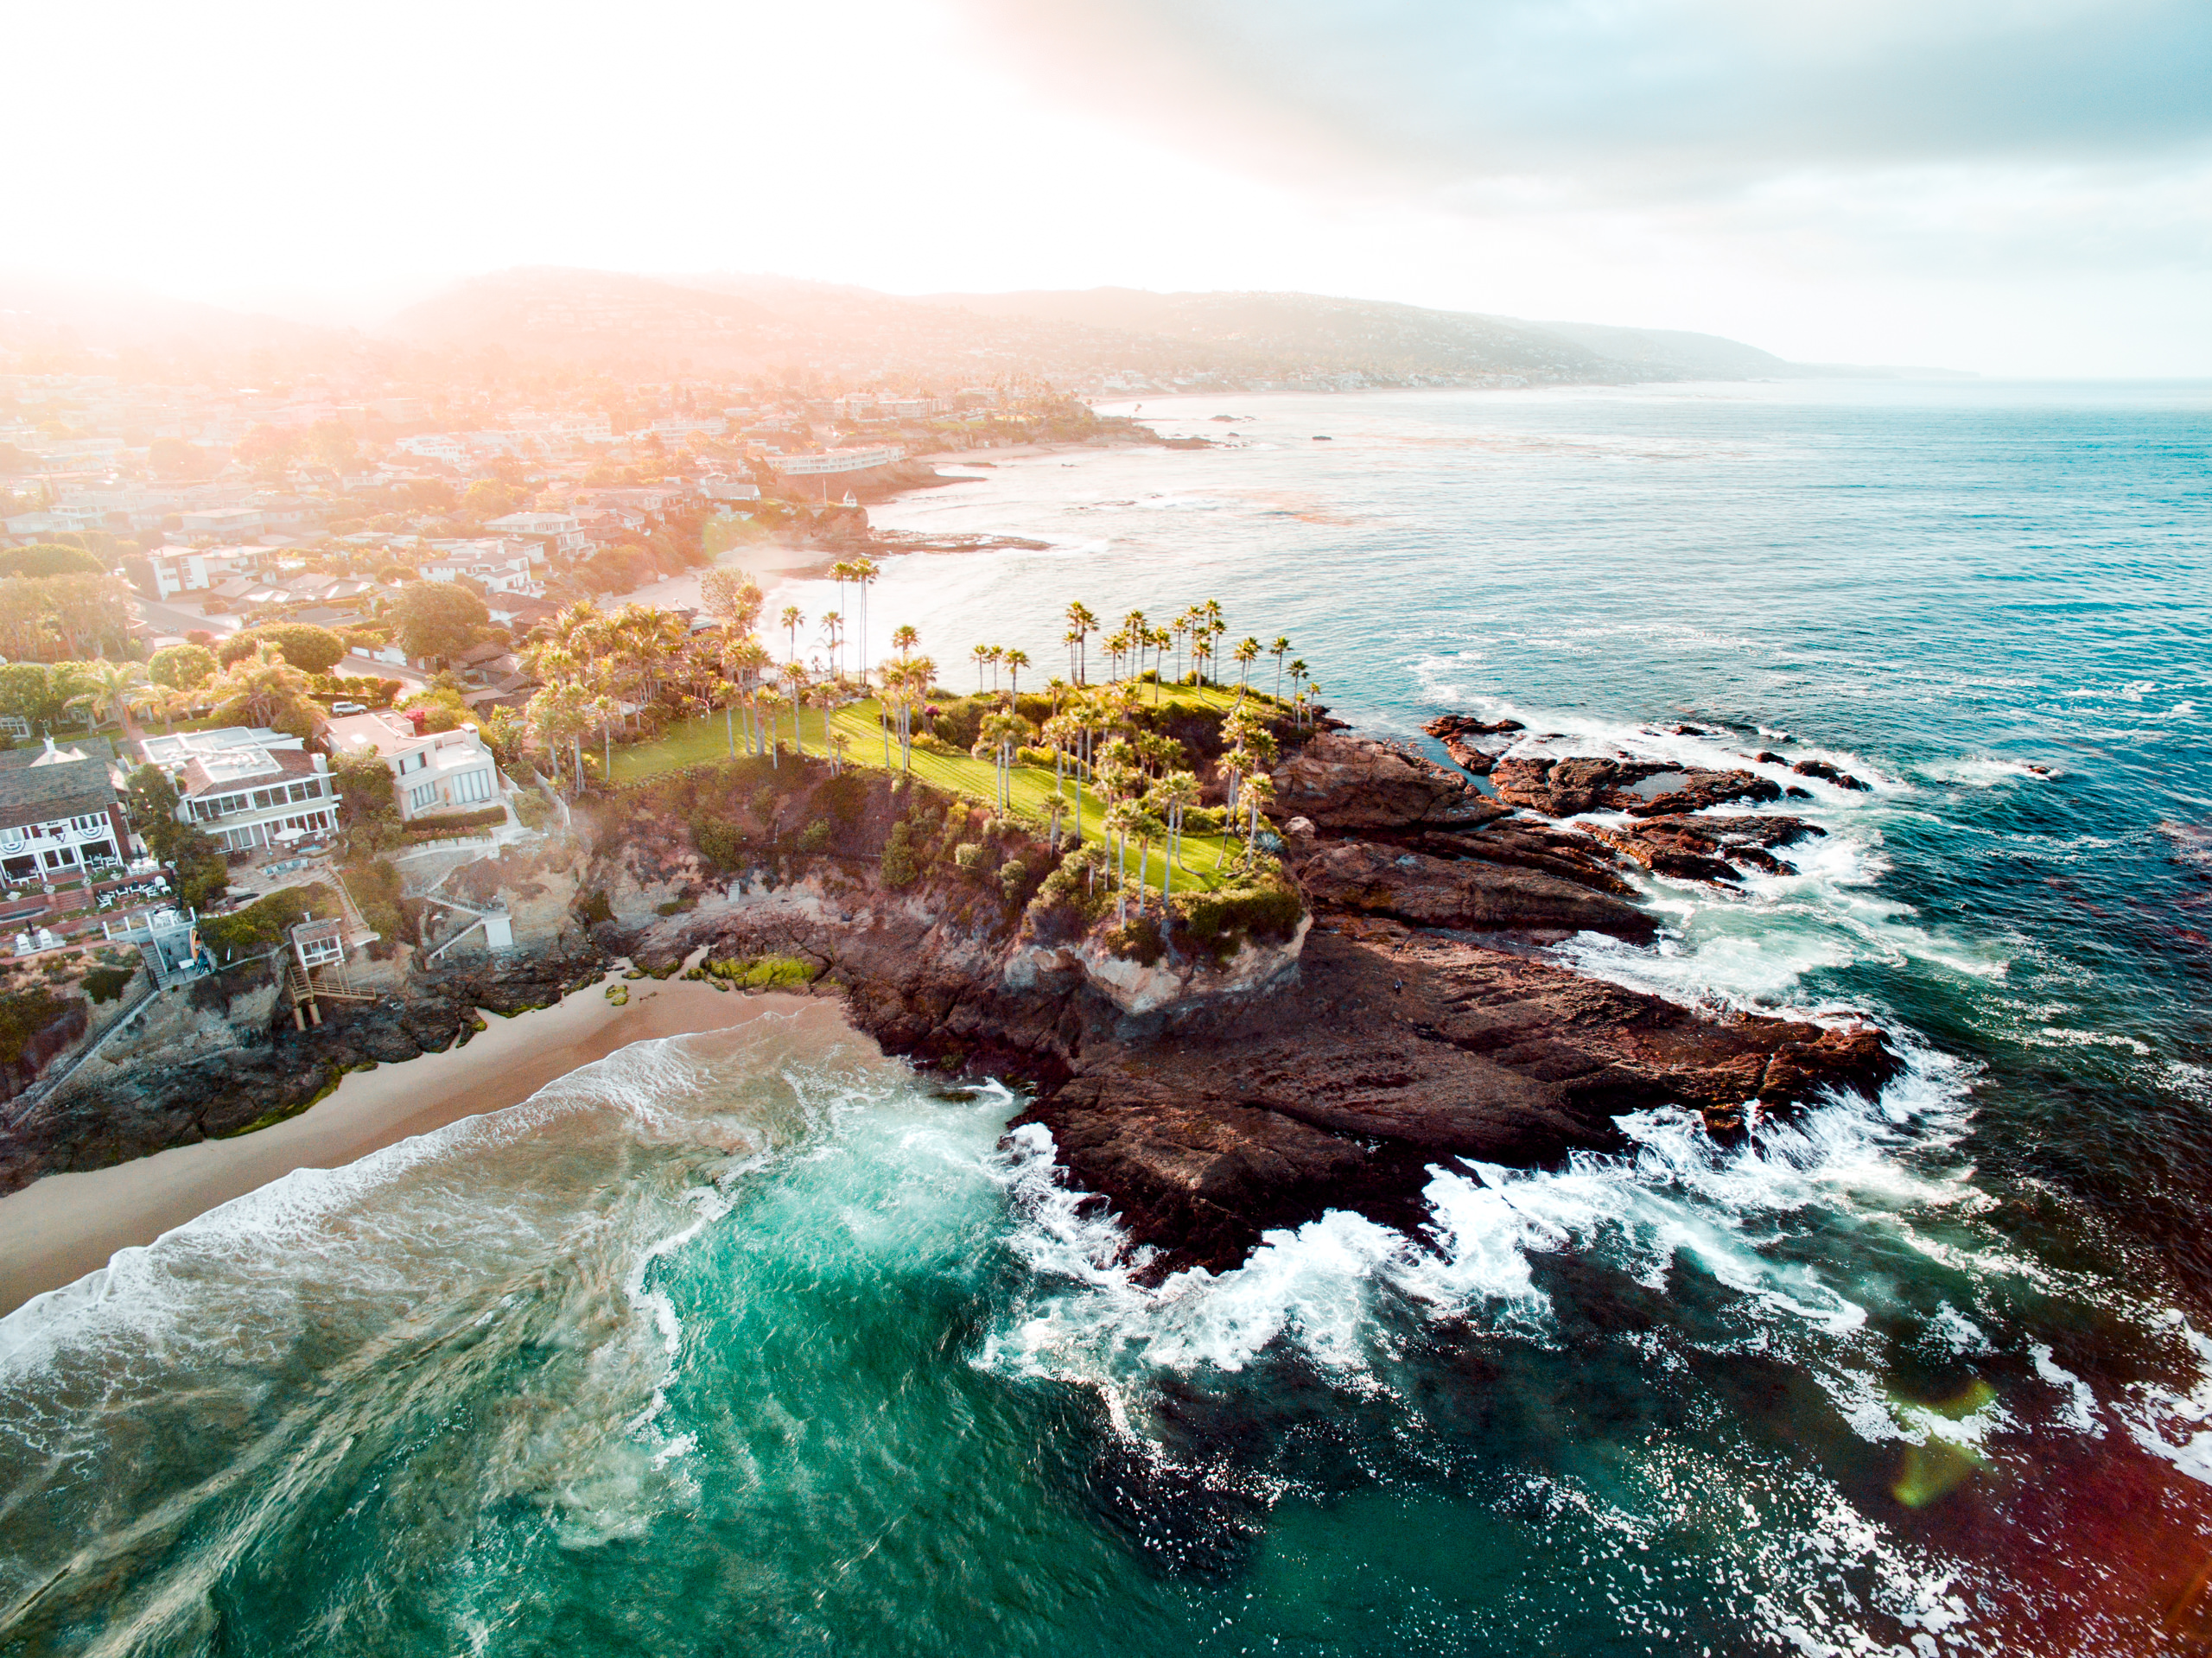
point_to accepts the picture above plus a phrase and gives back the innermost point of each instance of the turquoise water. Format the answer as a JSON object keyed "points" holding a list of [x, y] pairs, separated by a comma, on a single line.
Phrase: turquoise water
{"points": [[756, 1343]]}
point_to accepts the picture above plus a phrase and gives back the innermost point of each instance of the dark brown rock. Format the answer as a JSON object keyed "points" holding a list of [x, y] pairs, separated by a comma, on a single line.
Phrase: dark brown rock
{"points": [[1462, 893], [1475, 744], [1343, 782], [1565, 788], [1707, 848], [1397, 1048], [1828, 773]]}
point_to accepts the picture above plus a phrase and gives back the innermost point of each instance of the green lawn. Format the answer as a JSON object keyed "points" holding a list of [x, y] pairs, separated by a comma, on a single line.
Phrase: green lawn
{"points": [[697, 741]]}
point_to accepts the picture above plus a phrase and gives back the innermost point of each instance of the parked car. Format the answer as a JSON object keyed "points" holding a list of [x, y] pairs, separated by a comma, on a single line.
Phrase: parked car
{"points": [[349, 707]]}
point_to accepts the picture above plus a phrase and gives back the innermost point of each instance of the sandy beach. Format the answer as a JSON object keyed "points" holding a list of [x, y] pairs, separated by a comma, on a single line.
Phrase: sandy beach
{"points": [[57, 1229]]}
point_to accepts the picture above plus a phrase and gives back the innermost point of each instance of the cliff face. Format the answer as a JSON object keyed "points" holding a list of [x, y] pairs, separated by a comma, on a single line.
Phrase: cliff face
{"points": [[1209, 1093]]}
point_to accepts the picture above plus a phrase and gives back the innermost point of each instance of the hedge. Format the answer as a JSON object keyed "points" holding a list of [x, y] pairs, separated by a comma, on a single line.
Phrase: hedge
{"points": [[444, 823]]}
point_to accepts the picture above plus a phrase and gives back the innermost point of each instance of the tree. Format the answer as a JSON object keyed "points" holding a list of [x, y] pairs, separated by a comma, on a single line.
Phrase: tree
{"points": [[332, 442], [1016, 660], [183, 666], [732, 598], [368, 809], [437, 619], [173, 460], [116, 688], [311, 650], [49, 558], [262, 690], [487, 499], [197, 866], [26, 691], [1279, 649], [791, 621], [1247, 654]]}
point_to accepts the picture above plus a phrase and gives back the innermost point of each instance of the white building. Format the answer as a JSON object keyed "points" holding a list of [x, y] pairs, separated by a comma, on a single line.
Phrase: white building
{"points": [[248, 787], [231, 523], [431, 772], [499, 565], [59, 812], [560, 529]]}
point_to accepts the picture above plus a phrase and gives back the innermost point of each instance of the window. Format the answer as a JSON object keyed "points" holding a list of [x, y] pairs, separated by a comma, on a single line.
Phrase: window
{"points": [[422, 795], [473, 786], [306, 791]]}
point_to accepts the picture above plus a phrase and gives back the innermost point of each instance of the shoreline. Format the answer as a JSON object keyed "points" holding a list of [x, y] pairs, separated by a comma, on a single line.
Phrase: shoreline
{"points": [[62, 1226]]}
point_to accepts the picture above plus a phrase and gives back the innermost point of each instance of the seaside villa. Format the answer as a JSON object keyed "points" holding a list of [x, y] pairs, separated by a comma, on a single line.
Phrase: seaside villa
{"points": [[431, 771], [59, 812], [248, 786]]}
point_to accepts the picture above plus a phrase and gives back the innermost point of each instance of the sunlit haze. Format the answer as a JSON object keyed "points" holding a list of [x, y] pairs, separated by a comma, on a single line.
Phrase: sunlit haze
{"points": [[2016, 190]]}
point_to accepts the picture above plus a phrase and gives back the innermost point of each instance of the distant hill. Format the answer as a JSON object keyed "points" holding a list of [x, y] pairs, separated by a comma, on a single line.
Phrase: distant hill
{"points": [[1099, 342]]}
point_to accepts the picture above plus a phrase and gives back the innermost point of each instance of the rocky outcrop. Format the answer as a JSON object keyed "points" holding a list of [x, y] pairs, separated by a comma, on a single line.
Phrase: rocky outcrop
{"points": [[1475, 744], [1828, 773], [41, 1047], [1707, 849], [1565, 788], [1137, 987], [223, 1062], [1461, 893], [1399, 1048], [1339, 781]]}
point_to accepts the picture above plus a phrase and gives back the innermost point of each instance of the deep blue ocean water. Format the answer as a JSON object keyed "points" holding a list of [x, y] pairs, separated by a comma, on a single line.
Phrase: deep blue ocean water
{"points": [[758, 1344]]}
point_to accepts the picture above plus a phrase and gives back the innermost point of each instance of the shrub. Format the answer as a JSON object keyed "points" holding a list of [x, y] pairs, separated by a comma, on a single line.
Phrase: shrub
{"points": [[676, 906], [267, 922], [1203, 820], [595, 908], [1034, 756], [23, 1016], [1014, 875], [815, 836], [1220, 922], [900, 869], [442, 824], [107, 983], [968, 855], [720, 842], [532, 809], [375, 888], [930, 743], [1137, 939]]}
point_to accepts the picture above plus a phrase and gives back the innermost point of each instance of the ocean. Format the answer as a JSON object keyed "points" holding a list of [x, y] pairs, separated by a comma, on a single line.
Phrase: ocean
{"points": [[760, 1343]]}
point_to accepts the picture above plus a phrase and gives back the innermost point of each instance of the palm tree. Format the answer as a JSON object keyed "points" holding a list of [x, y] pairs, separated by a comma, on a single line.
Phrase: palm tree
{"points": [[749, 663], [728, 694], [1001, 733], [983, 655], [259, 687], [866, 571], [995, 655], [1016, 660], [1081, 625], [1279, 649], [770, 699], [792, 620], [839, 743], [1176, 792], [1247, 654], [1257, 787], [903, 640], [1297, 673], [1120, 817], [114, 690], [795, 676]]}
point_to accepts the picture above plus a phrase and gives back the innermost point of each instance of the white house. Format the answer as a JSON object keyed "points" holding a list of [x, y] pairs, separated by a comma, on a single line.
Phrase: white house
{"points": [[59, 812], [431, 772], [559, 529], [249, 787], [231, 523]]}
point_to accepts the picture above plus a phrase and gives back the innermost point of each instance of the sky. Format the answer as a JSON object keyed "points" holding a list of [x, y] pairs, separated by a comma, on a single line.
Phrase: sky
{"points": [[2020, 188]]}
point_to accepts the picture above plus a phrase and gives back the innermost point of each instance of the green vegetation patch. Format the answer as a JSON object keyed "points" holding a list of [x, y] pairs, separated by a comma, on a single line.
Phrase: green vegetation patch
{"points": [[763, 972], [267, 922], [23, 1016]]}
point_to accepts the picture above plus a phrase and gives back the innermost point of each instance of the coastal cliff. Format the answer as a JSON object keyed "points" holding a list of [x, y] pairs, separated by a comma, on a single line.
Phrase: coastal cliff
{"points": [[1316, 1038]]}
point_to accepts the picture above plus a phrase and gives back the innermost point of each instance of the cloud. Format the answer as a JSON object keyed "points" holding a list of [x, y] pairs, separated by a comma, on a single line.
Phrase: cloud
{"points": [[1653, 99]]}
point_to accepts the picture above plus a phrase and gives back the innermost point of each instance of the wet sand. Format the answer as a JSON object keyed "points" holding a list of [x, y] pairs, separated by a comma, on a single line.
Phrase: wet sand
{"points": [[55, 1230]]}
